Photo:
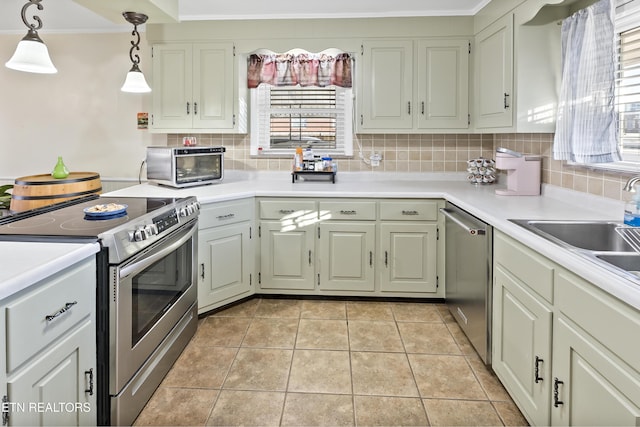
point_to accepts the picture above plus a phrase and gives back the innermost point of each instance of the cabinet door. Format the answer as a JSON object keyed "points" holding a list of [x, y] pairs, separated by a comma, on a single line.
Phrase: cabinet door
{"points": [[225, 259], [53, 388], [443, 84], [345, 256], [172, 86], [522, 346], [494, 46], [213, 84], [409, 257], [386, 86], [287, 256], [595, 387]]}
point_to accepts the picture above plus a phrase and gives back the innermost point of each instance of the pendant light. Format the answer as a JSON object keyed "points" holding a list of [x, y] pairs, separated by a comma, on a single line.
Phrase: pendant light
{"points": [[32, 54], [135, 81]]}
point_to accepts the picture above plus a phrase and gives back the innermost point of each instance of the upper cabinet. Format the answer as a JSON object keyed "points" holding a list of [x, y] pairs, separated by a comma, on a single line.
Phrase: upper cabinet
{"points": [[494, 74], [414, 85], [387, 85], [517, 65], [442, 80], [194, 88]]}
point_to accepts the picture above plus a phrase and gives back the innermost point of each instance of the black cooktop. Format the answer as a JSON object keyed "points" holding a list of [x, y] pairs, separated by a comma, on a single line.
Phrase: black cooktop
{"points": [[69, 221]]}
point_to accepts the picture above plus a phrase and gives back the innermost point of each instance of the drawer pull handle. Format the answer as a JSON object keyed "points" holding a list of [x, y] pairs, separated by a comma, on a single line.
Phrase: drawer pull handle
{"points": [[409, 212], [370, 258], [556, 401], [286, 211], [90, 389], [64, 309], [386, 258], [227, 216], [309, 256], [351, 212], [537, 378]]}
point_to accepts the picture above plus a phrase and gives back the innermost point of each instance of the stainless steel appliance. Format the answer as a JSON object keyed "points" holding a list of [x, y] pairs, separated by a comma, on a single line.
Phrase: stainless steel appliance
{"points": [[185, 166], [468, 276], [146, 292]]}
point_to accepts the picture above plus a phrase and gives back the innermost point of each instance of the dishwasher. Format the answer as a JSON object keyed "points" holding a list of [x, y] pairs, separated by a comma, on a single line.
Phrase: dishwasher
{"points": [[468, 275]]}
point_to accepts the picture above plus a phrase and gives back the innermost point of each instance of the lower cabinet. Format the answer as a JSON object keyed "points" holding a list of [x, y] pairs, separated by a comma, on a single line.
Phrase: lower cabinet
{"points": [[356, 247], [561, 345], [57, 387], [346, 256], [409, 257], [225, 253], [596, 367], [591, 385], [522, 345], [49, 362], [287, 256]]}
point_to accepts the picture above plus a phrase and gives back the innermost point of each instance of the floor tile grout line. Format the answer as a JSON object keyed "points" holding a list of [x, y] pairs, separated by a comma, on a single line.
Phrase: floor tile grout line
{"points": [[226, 376], [253, 314]]}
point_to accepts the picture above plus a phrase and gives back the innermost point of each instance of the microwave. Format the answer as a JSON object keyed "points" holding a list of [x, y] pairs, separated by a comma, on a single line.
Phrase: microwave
{"points": [[185, 166]]}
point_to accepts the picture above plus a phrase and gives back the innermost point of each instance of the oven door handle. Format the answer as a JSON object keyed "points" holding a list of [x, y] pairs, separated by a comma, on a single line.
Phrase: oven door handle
{"points": [[154, 257]]}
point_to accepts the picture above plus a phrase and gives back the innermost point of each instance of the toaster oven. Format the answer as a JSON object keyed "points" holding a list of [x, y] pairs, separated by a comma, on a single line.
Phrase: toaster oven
{"points": [[185, 166]]}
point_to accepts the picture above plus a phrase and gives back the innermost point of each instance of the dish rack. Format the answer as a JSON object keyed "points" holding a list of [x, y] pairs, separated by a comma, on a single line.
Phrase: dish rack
{"points": [[631, 235]]}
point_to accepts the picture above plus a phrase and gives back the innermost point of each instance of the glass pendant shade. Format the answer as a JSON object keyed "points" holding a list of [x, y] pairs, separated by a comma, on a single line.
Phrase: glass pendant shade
{"points": [[32, 56], [135, 81]]}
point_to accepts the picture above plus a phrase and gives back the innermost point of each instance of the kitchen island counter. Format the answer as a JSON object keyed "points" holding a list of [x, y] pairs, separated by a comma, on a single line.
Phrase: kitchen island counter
{"points": [[480, 200], [26, 263]]}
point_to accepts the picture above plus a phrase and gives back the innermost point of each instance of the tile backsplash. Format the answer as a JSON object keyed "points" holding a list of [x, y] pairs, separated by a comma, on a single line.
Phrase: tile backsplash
{"points": [[432, 153]]}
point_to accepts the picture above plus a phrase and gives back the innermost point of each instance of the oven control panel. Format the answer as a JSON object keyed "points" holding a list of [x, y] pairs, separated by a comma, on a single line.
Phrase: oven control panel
{"points": [[163, 222]]}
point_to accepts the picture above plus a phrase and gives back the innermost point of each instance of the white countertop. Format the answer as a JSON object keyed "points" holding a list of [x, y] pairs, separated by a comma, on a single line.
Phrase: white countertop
{"points": [[37, 259], [555, 203], [26, 263]]}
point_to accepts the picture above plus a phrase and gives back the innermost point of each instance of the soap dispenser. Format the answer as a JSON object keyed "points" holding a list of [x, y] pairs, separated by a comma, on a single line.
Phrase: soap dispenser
{"points": [[632, 211]]}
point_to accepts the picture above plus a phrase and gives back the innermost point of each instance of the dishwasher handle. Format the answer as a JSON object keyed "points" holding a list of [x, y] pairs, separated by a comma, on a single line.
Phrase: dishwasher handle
{"points": [[470, 230]]}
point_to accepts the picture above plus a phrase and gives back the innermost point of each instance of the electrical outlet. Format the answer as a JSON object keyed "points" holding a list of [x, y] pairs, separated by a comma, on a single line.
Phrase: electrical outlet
{"points": [[375, 159]]}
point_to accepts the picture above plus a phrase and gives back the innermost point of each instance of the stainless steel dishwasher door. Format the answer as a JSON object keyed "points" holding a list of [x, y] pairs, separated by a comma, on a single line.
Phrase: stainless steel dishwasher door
{"points": [[468, 276]]}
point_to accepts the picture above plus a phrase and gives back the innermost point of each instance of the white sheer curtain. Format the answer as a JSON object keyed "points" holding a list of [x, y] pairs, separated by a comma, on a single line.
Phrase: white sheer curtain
{"points": [[586, 127]]}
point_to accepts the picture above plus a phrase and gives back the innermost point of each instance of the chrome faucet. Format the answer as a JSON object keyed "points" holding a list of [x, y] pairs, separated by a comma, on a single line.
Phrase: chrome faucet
{"points": [[630, 186]]}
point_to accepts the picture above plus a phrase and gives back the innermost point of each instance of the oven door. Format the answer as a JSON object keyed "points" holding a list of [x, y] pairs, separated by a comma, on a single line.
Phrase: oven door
{"points": [[149, 294], [198, 168]]}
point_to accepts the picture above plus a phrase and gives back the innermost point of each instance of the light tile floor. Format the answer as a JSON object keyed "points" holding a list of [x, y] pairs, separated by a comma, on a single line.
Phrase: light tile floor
{"points": [[271, 362]]}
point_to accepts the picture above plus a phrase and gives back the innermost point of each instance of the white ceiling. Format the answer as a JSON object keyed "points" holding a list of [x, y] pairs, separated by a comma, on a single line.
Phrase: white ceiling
{"points": [[68, 16]]}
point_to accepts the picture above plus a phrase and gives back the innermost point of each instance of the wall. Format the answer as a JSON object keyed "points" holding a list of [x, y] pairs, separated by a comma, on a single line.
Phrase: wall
{"points": [[81, 114], [78, 113]]}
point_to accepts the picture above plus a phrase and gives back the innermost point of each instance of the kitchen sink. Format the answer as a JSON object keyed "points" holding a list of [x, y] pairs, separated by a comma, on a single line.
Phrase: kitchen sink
{"points": [[598, 236], [629, 262], [597, 241]]}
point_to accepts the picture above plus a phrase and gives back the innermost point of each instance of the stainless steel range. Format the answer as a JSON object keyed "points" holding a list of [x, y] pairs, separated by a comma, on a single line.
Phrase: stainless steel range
{"points": [[146, 293]]}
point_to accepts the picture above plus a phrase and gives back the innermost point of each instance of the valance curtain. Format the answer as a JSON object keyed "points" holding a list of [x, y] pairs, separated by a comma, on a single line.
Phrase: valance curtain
{"points": [[305, 69], [586, 126]]}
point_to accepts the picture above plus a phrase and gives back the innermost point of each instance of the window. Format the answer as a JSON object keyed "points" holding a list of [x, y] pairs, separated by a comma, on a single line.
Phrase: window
{"points": [[628, 78], [283, 118], [627, 19]]}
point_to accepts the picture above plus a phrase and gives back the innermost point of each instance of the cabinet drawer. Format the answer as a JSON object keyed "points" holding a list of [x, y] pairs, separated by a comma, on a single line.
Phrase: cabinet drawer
{"points": [[607, 319], [278, 209], [39, 317], [528, 266], [409, 210], [346, 210], [215, 214]]}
